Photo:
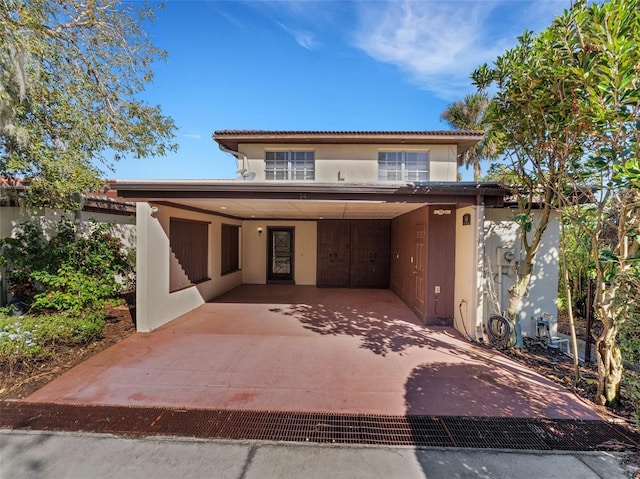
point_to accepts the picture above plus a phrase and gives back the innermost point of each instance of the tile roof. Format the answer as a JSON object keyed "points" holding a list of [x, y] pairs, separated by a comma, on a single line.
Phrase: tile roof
{"points": [[347, 133], [464, 139]]}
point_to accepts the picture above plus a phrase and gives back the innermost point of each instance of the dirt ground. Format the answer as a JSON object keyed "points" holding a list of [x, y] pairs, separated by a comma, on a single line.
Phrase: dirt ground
{"points": [[549, 362], [19, 384], [559, 367]]}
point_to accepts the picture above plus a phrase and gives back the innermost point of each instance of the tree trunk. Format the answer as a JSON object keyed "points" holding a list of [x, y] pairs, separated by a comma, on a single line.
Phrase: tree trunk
{"points": [[572, 326], [608, 353], [516, 295]]}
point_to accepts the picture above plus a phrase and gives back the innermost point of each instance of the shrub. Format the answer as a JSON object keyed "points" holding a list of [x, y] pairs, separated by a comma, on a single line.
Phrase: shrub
{"points": [[71, 272], [28, 339], [73, 291]]}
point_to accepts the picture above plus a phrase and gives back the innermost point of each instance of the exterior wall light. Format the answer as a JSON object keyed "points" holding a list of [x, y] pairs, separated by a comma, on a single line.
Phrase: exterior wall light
{"points": [[259, 230], [441, 212]]}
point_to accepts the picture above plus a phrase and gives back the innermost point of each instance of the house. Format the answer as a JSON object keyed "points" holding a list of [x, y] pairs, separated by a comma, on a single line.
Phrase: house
{"points": [[349, 209]]}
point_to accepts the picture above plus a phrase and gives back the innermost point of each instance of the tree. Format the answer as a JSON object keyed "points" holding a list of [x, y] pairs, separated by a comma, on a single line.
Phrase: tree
{"points": [[70, 73], [569, 100], [605, 41], [469, 114], [531, 117]]}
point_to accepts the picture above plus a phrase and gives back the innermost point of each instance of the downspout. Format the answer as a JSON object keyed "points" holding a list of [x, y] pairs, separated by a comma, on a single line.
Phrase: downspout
{"points": [[240, 156], [478, 279]]}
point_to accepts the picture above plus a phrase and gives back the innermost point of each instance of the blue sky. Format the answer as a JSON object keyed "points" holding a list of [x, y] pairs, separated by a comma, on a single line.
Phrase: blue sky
{"points": [[318, 65]]}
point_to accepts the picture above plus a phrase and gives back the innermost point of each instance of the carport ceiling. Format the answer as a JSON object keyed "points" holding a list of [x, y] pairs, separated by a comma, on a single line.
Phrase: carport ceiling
{"points": [[296, 209]]}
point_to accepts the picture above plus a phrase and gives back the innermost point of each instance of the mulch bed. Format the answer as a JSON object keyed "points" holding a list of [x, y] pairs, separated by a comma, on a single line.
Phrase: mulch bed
{"points": [[559, 368], [18, 384]]}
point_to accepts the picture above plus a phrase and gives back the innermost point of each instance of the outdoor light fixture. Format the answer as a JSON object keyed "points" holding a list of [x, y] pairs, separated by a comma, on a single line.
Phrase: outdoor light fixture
{"points": [[154, 211], [441, 212], [466, 219], [259, 230]]}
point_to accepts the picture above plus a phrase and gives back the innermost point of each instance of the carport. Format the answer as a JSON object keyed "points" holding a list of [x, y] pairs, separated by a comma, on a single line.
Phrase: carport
{"points": [[198, 239], [302, 348]]}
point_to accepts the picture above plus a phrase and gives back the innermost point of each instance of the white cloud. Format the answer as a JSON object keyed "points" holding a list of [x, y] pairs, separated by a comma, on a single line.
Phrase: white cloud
{"points": [[304, 38], [195, 136], [439, 43]]}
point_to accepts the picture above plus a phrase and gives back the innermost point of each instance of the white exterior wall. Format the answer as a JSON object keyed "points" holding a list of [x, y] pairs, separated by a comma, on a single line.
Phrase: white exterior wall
{"points": [[468, 280], [155, 304], [356, 163], [124, 226], [501, 231], [254, 251]]}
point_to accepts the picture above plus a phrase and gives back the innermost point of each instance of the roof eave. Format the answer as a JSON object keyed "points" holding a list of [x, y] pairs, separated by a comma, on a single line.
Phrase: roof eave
{"points": [[231, 139]]}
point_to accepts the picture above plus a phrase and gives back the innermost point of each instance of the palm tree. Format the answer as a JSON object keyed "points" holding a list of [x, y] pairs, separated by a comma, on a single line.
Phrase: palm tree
{"points": [[469, 114]]}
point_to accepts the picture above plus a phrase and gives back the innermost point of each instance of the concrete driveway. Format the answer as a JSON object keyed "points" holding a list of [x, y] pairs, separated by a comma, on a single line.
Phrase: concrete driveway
{"points": [[297, 348]]}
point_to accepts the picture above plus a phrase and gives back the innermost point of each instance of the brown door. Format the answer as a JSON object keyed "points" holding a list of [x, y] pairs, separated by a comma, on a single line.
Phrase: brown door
{"points": [[334, 244], [369, 254], [441, 265], [419, 268], [280, 257]]}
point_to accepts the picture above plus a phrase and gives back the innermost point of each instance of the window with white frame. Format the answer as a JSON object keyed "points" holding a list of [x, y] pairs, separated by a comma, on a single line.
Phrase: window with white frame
{"points": [[403, 166], [289, 165]]}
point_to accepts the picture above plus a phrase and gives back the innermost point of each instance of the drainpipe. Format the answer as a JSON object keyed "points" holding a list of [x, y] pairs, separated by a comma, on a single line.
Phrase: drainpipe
{"points": [[240, 156], [478, 279]]}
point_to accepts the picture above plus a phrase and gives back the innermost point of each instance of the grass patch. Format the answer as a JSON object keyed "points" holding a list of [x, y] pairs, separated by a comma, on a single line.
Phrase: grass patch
{"points": [[25, 340]]}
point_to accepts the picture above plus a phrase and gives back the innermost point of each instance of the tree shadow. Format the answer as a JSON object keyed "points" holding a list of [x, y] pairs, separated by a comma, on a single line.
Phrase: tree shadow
{"points": [[378, 318], [488, 389], [473, 403], [378, 332]]}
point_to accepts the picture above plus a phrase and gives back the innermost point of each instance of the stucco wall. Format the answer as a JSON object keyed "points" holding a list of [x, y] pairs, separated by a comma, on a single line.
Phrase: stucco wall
{"points": [[155, 304], [502, 232], [357, 163], [254, 247], [11, 216], [468, 280]]}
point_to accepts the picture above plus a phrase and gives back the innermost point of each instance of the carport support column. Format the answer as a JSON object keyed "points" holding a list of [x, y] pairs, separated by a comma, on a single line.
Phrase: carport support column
{"points": [[143, 263]]}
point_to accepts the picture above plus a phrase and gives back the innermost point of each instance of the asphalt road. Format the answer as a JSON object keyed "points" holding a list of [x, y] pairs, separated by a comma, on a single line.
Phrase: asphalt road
{"points": [[33, 455]]}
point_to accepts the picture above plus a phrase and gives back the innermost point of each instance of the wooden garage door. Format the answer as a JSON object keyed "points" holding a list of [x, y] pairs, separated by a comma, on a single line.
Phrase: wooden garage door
{"points": [[353, 253], [334, 243]]}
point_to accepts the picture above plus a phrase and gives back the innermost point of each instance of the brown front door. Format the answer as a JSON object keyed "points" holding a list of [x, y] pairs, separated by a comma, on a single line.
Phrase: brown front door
{"points": [[441, 265], [280, 255], [419, 268]]}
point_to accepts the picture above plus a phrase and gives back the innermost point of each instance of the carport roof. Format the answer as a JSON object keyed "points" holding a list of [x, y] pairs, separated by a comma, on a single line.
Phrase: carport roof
{"points": [[307, 200]]}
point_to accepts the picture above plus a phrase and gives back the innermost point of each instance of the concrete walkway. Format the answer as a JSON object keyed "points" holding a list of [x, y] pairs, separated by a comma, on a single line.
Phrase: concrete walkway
{"points": [[293, 348], [38, 455]]}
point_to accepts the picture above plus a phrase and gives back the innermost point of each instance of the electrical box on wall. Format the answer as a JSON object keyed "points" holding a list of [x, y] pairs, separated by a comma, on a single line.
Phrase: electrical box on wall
{"points": [[505, 256]]}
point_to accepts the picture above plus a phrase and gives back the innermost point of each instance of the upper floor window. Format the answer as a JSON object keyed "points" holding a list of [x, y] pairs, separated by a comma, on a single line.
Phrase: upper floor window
{"points": [[289, 165], [403, 166]]}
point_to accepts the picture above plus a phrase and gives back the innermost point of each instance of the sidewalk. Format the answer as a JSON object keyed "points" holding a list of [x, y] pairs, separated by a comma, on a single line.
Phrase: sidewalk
{"points": [[70, 455]]}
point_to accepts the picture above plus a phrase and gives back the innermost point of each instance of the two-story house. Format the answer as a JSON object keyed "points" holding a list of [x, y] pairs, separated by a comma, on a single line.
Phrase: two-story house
{"points": [[351, 209]]}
